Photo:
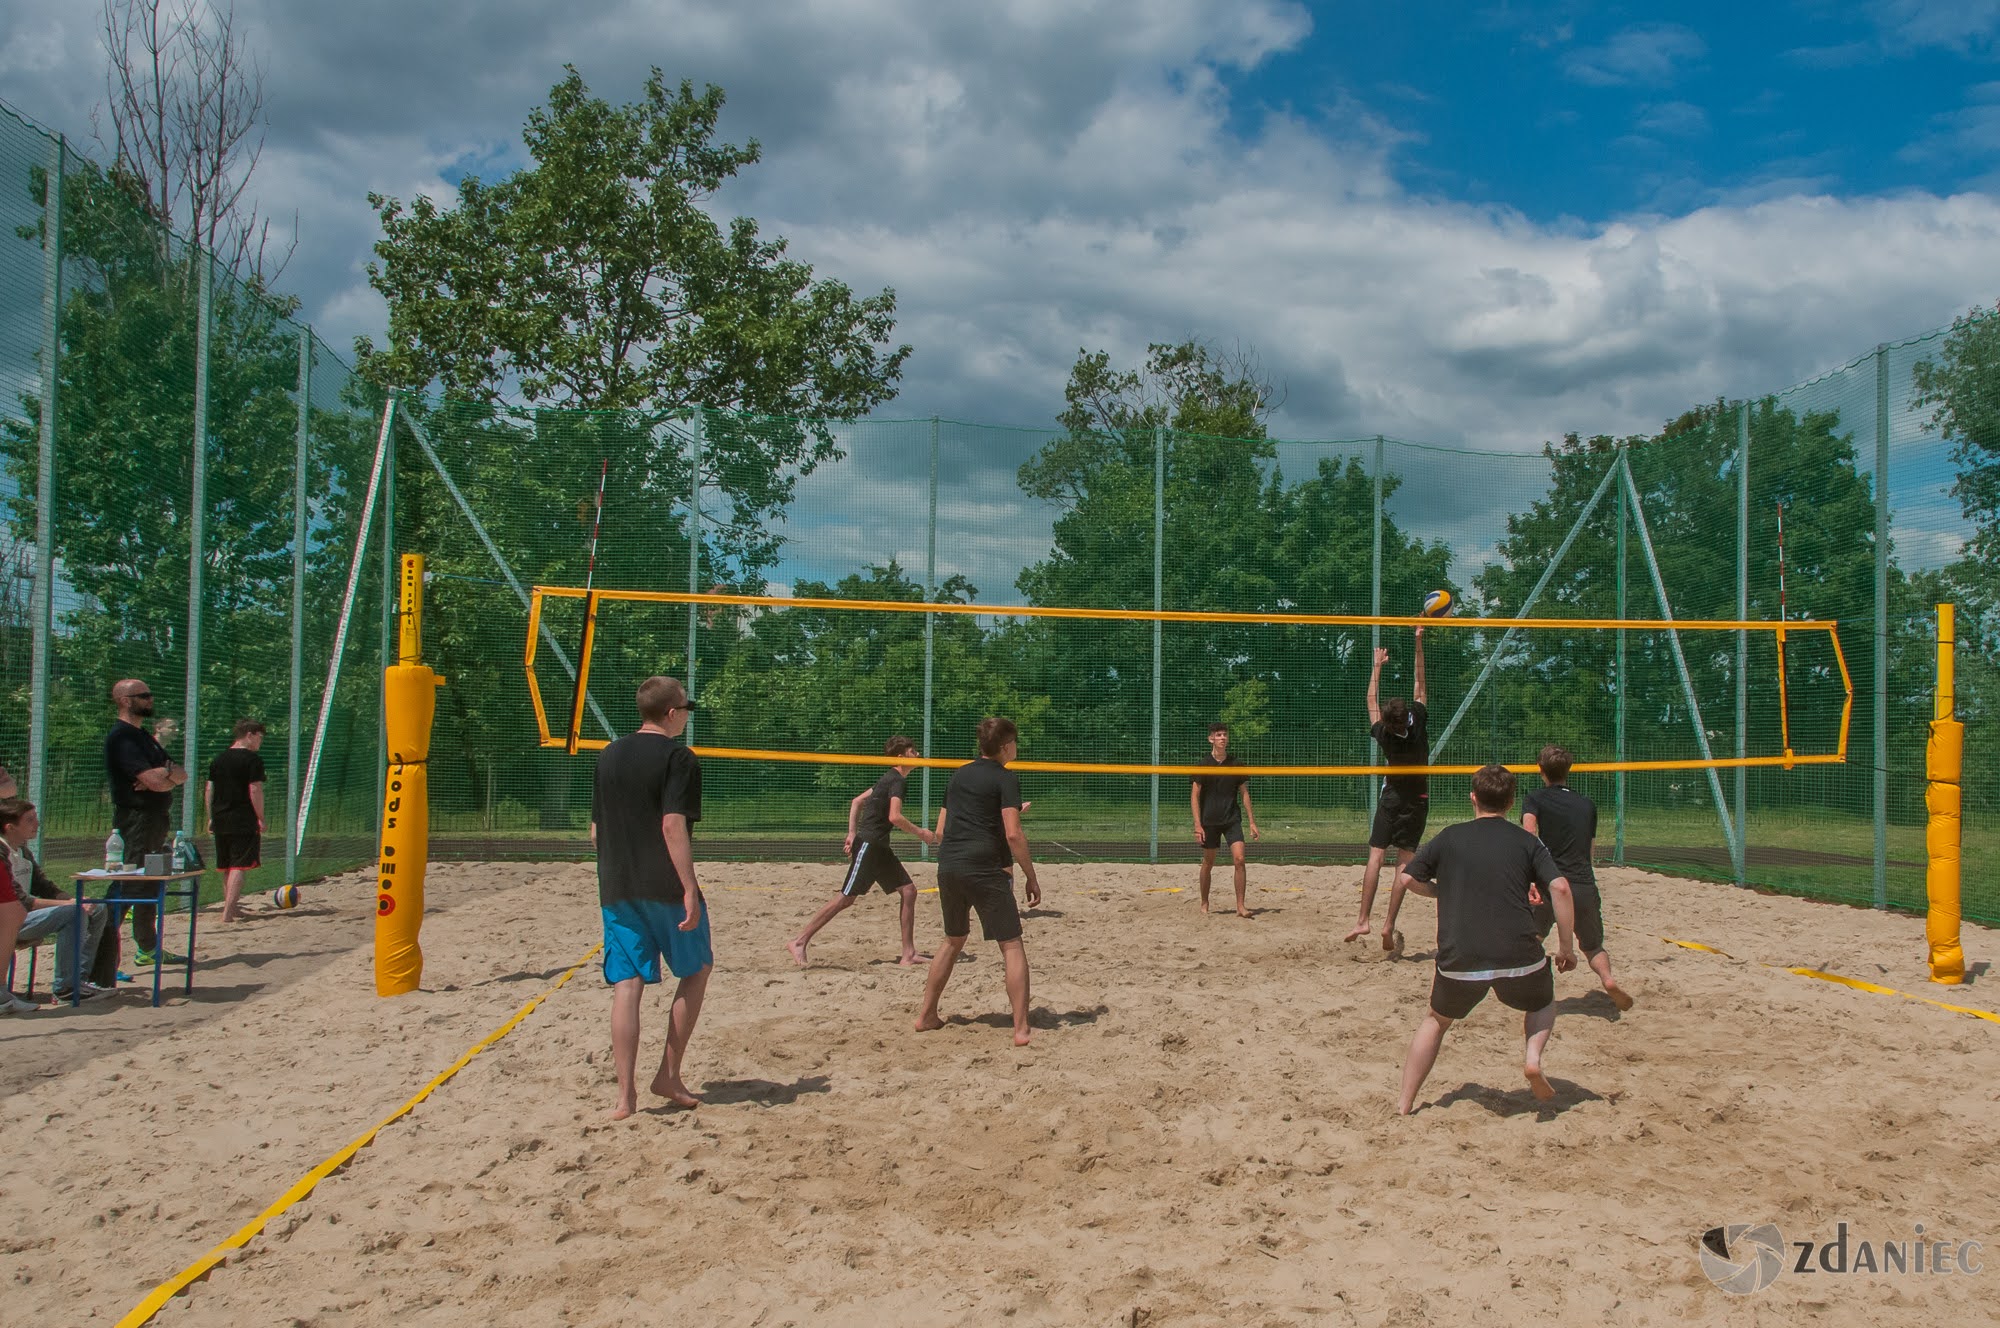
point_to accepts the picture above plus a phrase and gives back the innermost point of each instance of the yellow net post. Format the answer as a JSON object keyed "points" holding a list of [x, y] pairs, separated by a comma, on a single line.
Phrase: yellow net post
{"points": [[1944, 763], [409, 690]]}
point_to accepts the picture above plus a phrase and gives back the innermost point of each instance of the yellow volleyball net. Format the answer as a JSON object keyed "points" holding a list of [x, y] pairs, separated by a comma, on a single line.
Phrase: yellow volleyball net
{"points": [[1124, 692]]}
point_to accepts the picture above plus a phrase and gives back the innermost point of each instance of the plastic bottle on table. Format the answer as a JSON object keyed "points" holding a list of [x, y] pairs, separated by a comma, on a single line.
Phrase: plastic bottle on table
{"points": [[114, 852]]}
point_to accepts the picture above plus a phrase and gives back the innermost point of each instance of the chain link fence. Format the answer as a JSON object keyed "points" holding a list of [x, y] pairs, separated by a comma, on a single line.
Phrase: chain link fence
{"points": [[220, 571]]}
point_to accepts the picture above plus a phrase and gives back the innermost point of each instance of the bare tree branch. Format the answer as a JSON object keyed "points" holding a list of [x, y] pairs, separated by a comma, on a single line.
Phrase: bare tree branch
{"points": [[186, 102]]}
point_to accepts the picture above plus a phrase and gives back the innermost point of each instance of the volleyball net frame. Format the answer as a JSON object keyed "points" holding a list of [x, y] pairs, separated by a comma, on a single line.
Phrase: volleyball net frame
{"points": [[571, 739]]}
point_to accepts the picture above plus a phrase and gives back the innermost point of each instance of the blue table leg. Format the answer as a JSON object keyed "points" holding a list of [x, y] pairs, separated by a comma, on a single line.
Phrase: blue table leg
{"points": [[194, 909], [159, 937]]}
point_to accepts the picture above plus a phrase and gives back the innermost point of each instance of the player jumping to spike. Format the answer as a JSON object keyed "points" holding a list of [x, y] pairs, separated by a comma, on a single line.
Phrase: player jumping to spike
{"points": [[1402, 730], [870, 859]]}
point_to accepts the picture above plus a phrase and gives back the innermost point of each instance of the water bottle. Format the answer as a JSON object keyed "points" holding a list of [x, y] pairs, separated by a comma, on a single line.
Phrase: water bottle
{"points": [[114, 852], [181, 856]]}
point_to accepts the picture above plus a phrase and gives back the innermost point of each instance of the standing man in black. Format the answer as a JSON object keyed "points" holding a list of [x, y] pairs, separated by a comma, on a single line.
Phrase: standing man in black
{"points": [[1217, 818], [1402, 730], [143, 779], [979, 834]]}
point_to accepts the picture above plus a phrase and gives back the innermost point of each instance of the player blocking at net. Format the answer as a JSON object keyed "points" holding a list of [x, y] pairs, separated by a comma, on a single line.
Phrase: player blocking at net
{"points": [[1402, 730], [1217, 818], [871, 861]]}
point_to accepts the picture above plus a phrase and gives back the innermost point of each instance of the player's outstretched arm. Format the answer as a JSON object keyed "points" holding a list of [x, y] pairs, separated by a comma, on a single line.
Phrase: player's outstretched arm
{"points": [[1375, 685], [1417, 688]]}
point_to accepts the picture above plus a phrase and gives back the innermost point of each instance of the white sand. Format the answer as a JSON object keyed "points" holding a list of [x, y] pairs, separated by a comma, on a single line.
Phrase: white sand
{"points": [[1203, 1132]]}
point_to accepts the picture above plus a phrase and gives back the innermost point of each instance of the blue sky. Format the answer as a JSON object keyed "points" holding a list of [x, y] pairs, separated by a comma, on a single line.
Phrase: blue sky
{"points": [[1579, 112], [1479, 225]]}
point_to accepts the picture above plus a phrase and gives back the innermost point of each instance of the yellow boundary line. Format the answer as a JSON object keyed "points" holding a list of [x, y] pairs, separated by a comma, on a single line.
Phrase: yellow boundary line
{"points": [[1841, 980], [306, 1184]]}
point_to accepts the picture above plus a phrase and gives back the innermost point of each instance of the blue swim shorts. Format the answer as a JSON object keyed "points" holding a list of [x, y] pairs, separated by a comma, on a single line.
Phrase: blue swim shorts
{"points": [[638, 931]]}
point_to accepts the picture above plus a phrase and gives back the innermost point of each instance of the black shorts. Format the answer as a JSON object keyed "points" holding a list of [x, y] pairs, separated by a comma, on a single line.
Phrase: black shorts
{"points": [[1589, 917], [990, 894], [238, 850], [874, 864], [1399, 821], [1454, 998], [1217, 836]]}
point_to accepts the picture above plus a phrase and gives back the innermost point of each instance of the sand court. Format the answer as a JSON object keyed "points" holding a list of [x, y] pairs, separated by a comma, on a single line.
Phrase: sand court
{"points": [[1202, 1133]]}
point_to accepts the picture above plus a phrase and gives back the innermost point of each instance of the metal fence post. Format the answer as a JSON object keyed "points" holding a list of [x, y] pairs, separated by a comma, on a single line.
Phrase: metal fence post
{"points": [[930, 622], [298, 604], [42, 606], [197, 535], [1375, 581], [1618, 712], [1742, 640], [1881, 781], [694, 547], [1159, 550]]}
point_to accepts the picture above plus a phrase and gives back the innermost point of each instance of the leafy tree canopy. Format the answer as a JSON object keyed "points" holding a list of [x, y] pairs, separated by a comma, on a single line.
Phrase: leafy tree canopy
{"points": [[597, 279]]}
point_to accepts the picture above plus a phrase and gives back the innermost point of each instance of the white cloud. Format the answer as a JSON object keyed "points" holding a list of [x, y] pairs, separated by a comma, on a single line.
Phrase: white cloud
{"points": [[1037, 177], [1644, 54]]}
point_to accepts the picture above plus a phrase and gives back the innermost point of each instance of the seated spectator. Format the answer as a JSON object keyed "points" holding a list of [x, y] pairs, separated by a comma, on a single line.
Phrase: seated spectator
{"points": [[48, 909], [12, 915]]}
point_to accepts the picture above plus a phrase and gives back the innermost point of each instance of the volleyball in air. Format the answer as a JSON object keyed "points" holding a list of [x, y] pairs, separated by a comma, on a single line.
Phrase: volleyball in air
{"points": [[285, 896], [1437, 604]]}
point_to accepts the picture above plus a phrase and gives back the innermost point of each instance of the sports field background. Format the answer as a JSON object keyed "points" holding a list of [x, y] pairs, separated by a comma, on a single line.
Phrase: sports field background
{"points": [[912, 510]]}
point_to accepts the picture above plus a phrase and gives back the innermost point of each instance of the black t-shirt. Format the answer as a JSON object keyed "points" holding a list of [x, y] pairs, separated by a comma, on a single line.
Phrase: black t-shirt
{"points": [[641, 778], [1566, 821], [1409, 748], [1219, 806], [1482, 870], [231, 774], [975, 835], [872, 826], [128, 751]]}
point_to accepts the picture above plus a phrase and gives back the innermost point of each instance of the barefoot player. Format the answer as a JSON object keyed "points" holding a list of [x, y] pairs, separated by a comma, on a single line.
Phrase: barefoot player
{"points": [[979, 833], [870, 859], [1402, 730], [1484, 874], [645, 797], [1217, 818], [1566, 821]]}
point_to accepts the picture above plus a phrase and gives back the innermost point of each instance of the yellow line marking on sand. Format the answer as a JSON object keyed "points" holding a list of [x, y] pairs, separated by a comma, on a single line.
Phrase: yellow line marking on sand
{"points": [[1841, 980], [200, 1268], [1697, 945]]}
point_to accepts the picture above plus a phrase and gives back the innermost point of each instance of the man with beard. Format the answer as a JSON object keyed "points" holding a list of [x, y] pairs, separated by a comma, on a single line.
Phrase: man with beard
{"points": [[143, 779]]}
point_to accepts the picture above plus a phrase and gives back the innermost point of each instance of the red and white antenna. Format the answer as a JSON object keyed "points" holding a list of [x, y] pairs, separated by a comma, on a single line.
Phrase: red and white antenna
{"points": [[597, 523]]}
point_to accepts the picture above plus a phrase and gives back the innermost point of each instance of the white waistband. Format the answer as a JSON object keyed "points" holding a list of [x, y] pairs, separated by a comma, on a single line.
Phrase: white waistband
{"points": [[1494, 974]]}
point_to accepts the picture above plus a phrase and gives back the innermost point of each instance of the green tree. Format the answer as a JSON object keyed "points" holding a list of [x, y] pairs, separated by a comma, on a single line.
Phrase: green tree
{"points": [[1560, 686], [1962, 389], [595, 279], [130, 327], [1237, 537]]}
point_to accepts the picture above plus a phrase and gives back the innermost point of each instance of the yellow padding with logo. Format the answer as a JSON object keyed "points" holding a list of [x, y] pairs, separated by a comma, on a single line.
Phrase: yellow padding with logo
{"points": [[200, 1268]]}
